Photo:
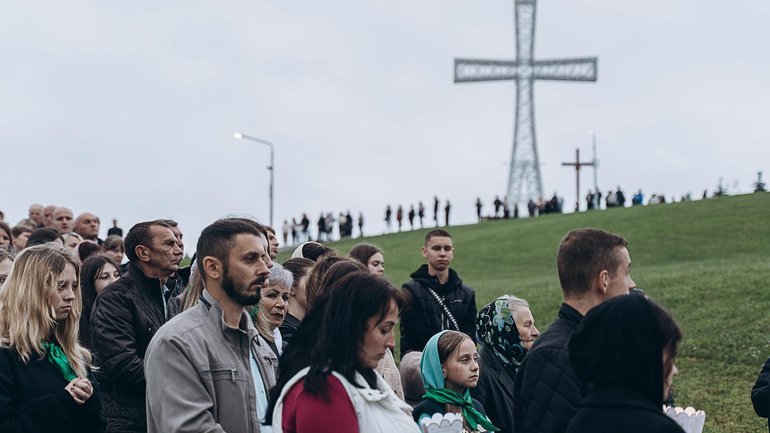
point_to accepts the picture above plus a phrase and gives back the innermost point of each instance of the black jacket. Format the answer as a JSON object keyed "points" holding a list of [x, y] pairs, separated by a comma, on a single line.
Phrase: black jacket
{"points": [[618, 349], [126, 315], [760, 393], [423, 316], [495, 390], [288, 328], [547, 393], [33, 399], [620, 409]]}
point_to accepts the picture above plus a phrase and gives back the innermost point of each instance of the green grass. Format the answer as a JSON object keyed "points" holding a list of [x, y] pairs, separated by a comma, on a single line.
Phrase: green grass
{"points": [[706, 261]]}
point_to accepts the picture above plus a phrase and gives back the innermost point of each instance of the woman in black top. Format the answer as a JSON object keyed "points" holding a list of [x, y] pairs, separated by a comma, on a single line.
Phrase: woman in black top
{"points": [[44, 384]]}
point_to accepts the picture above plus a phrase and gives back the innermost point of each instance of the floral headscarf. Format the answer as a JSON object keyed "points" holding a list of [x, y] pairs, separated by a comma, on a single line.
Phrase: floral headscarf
{"points": [[496, 328]]}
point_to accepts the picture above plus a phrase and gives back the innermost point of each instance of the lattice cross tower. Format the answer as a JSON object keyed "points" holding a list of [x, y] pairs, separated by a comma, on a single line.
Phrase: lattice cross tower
{"points": [[525, 166]]}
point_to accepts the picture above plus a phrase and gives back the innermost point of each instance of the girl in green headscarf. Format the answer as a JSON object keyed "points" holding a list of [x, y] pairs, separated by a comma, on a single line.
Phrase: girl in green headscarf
{"points": [[449, 366]]}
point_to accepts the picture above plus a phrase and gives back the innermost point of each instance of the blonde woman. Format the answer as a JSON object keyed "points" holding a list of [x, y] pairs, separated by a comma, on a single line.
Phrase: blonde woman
{"points": [[44, 385]]}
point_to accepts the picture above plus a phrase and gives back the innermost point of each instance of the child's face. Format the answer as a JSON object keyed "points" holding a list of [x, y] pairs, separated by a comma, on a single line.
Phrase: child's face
{"points": [[461, 368]]}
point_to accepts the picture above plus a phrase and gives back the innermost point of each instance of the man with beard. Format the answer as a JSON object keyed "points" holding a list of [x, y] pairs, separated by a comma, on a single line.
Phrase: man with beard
{"points": [[126, 315], [208, 369]]}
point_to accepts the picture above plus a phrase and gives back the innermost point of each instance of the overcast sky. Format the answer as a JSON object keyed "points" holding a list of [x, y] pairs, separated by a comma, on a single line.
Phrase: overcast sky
{"points": [[128, 109]]}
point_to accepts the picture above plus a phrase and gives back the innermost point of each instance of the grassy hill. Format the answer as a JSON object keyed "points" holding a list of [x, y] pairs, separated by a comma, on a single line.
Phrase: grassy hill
{"points": [[706, 261]]}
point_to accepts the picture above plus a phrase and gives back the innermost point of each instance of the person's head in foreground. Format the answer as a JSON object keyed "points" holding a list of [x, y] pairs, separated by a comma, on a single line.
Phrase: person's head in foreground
{"points": [[625, 348]]}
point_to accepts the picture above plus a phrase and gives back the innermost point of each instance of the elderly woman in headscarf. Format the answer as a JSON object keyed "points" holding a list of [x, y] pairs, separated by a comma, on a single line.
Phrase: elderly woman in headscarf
{"points": [[506, 331]]}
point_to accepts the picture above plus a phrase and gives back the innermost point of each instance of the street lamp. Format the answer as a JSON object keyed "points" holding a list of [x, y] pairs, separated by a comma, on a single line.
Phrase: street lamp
{"points": [[596, 167], [271, 167]]}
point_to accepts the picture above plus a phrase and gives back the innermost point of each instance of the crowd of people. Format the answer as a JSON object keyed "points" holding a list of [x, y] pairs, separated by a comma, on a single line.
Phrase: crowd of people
{"points": [[296, 232], [410, 217], [238, 342]]}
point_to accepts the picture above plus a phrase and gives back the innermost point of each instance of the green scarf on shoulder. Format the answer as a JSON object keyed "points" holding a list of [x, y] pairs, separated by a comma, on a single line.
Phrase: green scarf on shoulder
{"points": [[465, 403], [58, 358]]}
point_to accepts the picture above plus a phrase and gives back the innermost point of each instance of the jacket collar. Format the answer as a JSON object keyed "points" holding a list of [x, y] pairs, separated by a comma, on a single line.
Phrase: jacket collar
{"points": [[217, 316], [429, 280], [570, 315], [135, 274]]}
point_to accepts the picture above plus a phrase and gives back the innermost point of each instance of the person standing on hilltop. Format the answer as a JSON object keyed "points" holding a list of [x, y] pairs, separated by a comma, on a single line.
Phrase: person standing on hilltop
{"points": [[421, 213], [436, 297], [388, 214], [435, 209]]}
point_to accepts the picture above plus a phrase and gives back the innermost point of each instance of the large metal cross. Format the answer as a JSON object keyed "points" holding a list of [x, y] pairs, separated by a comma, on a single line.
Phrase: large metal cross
{"points": [[525, 166]]}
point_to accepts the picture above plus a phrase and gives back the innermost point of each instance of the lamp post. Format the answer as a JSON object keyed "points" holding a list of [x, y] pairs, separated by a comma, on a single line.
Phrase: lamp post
{"points": [[595, 162], [271, 167]]}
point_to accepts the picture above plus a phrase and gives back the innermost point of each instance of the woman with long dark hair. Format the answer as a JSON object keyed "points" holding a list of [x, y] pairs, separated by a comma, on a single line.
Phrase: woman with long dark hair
{"points": [[331, 386], [45, 381], [372, 257], [625, 348], [97, 272]]}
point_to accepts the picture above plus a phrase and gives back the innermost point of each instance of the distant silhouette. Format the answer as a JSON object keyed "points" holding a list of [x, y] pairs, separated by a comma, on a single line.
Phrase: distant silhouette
{"points": [[411, 216], [305, 226], [399, 216], [285, 229], [435, 209], [321, 228], [388, 214], [531, 207], [620, 197], [115, 230], [361, 224], [447, 208], [421, 213], [478, 208]]}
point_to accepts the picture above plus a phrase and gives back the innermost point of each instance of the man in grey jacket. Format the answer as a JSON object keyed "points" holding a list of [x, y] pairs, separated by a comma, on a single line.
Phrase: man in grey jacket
{"points": [[208, 369]]}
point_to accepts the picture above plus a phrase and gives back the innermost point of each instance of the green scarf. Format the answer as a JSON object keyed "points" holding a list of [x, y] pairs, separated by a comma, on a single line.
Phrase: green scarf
{"points": [[58, 358], [463, 401]]}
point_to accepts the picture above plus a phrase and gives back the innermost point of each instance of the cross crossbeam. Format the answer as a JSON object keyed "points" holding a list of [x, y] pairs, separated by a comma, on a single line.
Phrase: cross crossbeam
{"points": [[525, 165], [577, 69]]}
